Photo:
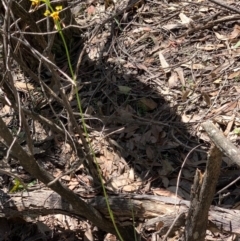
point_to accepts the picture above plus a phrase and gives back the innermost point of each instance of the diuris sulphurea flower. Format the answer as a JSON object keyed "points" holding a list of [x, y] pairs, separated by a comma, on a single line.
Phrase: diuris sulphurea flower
{"points": [[35, 2], [54, 14]]}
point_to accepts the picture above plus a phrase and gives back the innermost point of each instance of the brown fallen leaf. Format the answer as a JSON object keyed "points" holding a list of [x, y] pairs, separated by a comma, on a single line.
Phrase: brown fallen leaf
{"points": [[164, 63], [163, 192], [148, 104], [173, 80], [24, 87], [180, 75], [235, 33], [185, 95], [150, 152], [206, 98], [234, 75]]}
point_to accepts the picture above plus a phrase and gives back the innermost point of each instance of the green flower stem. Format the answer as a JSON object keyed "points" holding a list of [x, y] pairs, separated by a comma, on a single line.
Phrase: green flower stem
{"points": [[59, 29]]}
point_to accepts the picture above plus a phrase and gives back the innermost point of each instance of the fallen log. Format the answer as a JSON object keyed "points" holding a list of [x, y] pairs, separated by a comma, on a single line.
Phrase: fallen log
{"points": [[44, 202]]}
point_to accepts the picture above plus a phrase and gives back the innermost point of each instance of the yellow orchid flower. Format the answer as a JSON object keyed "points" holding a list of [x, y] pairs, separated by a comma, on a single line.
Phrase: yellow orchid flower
{"points": [[35, 2], [58, 8], [47, 13], [54, 14]]}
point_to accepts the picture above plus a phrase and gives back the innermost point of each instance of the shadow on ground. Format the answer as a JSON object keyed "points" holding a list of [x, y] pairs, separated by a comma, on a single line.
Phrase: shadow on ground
{"points": [[142, 131]]}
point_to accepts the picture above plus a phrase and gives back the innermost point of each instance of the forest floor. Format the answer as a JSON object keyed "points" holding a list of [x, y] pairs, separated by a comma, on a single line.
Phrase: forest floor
{"points": [[148, 79]]}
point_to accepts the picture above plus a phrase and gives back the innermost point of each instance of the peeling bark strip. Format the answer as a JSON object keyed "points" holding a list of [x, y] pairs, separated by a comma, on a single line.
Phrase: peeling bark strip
{"points": [[222, 142], [202, 194]]}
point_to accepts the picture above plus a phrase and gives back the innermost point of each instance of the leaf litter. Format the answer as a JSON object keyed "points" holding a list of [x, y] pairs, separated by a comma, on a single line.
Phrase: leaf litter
{"points": [[159, 70]]}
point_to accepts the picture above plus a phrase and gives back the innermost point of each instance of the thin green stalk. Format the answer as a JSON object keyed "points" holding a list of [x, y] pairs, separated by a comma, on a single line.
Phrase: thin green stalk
{"points": [[59, 29], [135, 234]]}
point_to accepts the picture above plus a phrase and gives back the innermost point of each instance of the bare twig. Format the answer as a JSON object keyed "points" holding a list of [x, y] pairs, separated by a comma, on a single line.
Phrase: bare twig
{"points": [[210, 25], [225, 6]]}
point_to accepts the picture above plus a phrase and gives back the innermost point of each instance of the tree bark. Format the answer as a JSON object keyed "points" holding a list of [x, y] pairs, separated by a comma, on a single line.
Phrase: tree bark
{"points": [[202, 194]]}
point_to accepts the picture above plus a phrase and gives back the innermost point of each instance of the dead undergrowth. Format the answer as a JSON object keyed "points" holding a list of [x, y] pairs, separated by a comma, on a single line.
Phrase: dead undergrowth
{"points": [[148, 78]]}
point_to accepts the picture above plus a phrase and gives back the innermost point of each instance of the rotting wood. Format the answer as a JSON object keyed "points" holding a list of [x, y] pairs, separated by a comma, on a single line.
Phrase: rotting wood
{"points": [[44, 202], [202, 194]]}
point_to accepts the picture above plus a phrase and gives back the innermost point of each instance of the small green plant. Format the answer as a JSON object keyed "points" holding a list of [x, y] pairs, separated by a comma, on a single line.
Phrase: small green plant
{"points": [[19, 185], [237, 79], [237, 131]]}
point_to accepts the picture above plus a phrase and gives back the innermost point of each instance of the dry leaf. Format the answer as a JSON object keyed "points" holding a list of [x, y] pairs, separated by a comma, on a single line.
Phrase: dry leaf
{"points": [[180, 75], [163, 192], [110, 237], [129, 188], [170, 26], [150, 153], [237, 88], [234, 75], [124, 89], [148, 104], [166, 168], [217, 81], [235, 33], [206, 98], [220, 36], [184, 19], [129, 65], [222, 67], [131, 174], [88, 236], [145, 137], [159, 225], [198, 66], [163, 62], [225, 108], [203, 9], [229, 125], [141, 29], [173, 80], [148, 20], [24, 87], [118, 182], [194, 66], [141, 66], [185, 95]]}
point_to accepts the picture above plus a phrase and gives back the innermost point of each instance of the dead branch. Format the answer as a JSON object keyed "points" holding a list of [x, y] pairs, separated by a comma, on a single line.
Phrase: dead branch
{"points": [[202, 194], [224, 145], [154, 208], [210, 25], [225, 6]]}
